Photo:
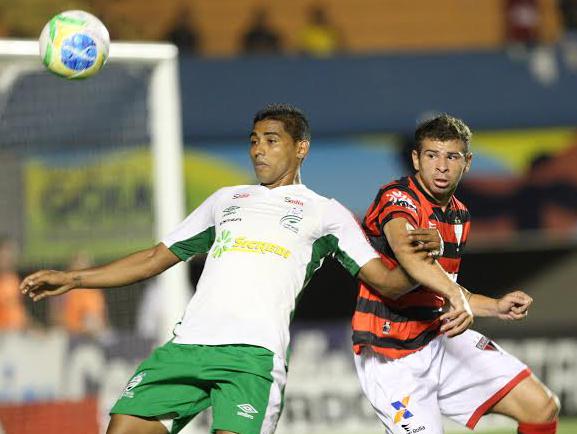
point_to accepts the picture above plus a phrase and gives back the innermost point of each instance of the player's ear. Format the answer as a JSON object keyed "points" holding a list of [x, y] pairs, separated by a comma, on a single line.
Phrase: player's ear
{"points": [[303, 149], [468, 161], [415, 157]]}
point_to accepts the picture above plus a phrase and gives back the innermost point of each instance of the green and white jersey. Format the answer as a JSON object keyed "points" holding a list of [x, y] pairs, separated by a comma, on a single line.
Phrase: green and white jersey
{"points": [[263, 247]]}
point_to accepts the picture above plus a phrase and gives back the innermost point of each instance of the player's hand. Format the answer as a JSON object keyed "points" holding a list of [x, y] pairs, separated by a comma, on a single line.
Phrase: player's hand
{"points": [[427, 240], [513, 306], [47, 283], [459, 317]]}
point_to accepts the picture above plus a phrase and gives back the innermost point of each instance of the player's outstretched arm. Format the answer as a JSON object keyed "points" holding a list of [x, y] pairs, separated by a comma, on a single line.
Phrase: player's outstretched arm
{"points": [[125, 271], [512, 306], [394, 283], [430, 274]]}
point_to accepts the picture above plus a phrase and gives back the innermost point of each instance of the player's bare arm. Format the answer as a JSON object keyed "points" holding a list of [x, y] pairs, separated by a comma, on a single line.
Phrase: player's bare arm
{"points": [[512, 306], [430, 274], [125, 271], [426, 240], [396, 282]]}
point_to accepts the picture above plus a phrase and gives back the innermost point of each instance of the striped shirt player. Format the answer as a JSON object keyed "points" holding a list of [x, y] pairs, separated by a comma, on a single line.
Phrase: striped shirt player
{"points": [[263, 247], [407, 330], [396, 328], [412, 370]]}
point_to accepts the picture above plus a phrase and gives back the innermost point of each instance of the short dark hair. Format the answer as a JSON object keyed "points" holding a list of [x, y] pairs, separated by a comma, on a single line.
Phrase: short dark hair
{"points": [[443, 128], [294, 120]]}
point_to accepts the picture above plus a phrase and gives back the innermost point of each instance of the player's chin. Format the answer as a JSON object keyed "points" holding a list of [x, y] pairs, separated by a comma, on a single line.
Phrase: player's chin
{"points": [[444, 190]]}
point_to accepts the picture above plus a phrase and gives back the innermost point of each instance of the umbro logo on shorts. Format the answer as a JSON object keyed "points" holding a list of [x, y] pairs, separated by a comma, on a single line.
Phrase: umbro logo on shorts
{"points": [[247, 411]]}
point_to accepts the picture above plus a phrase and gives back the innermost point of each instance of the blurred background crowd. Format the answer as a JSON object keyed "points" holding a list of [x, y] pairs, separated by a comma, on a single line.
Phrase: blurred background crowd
{"points": [[313, 27]]}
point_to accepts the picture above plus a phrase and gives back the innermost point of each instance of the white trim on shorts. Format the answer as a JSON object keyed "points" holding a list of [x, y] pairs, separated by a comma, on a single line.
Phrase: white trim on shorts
{"points": [[275, 400]]}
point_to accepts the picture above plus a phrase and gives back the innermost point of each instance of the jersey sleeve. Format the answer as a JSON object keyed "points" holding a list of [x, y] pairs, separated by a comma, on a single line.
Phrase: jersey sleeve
{"points": [[196, 233], [391, 203], [350, 245]]}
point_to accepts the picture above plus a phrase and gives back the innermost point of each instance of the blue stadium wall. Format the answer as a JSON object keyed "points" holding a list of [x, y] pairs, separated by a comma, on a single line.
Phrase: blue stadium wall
{"points": [[354, 94]]}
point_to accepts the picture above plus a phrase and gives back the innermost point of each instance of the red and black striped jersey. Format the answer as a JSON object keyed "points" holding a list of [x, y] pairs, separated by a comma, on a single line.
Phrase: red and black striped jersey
{"points": [[396, 328]]}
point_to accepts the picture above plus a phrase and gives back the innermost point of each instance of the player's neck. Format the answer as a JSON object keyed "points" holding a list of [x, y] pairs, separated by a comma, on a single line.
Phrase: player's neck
{"points": [[436, 199], [290, 178]]}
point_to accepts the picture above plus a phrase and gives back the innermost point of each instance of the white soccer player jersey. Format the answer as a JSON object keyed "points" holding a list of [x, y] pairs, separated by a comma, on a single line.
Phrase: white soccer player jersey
{"points": [[263, 247]]}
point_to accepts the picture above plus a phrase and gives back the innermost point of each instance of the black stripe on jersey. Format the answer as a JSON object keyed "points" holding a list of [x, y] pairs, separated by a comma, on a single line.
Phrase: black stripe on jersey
{"points": [[415, 313], [451, 216], [396, 214], [453, 250], [368, 338], [381, 245]]}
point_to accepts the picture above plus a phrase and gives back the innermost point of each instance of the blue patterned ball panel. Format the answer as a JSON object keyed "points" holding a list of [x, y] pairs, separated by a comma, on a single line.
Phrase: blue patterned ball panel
{"points": [[78, 52]]}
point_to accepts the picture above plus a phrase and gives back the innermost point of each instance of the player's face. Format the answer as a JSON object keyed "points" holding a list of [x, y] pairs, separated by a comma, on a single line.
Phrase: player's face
{"points": [[275, 155], [440, 166]]}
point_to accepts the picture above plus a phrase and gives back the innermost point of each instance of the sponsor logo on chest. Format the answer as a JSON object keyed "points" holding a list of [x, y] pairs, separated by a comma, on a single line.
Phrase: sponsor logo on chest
{"points": [[225, 242]]}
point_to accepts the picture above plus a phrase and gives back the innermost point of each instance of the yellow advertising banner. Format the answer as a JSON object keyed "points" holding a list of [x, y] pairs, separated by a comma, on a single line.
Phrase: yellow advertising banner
{"points": [[102, 203]]}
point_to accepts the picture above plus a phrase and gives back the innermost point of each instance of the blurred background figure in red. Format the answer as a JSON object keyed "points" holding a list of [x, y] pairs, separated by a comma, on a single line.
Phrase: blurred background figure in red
{"points": [[522, 19]]}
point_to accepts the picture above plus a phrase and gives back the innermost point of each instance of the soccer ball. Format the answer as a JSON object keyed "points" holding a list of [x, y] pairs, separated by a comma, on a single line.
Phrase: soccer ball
{"points": [[74, 44]]}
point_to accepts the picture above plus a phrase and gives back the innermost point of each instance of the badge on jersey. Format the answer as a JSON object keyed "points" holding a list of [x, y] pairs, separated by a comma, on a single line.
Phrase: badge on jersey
{"points": [[291, 219], [134, 381], [486, 344]]}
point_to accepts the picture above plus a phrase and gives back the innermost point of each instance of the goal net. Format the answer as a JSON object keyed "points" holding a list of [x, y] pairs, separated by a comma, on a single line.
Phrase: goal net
{"points": [[89, 170]]}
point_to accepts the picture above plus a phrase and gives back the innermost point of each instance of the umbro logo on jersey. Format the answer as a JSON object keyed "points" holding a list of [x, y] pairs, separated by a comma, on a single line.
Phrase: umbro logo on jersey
{"points": [[240, 195], [231, 210], [247, 411]]}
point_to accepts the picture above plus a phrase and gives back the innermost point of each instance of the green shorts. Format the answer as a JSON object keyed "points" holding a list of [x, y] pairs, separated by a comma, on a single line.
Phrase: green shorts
{"points": [[243, 384]]}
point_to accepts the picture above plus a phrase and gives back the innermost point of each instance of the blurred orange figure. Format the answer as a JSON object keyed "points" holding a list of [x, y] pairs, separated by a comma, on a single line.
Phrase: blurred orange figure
{"points": [[13, 314], [81, 311]]}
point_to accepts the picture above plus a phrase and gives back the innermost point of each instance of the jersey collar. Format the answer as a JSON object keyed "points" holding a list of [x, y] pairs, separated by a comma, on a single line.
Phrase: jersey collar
{"points": [[430, 198]]}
